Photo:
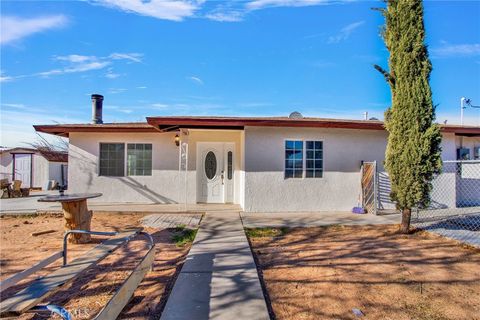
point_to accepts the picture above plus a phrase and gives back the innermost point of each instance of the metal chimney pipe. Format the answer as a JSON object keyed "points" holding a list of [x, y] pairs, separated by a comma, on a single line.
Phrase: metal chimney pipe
{"points": [[97, 105]]}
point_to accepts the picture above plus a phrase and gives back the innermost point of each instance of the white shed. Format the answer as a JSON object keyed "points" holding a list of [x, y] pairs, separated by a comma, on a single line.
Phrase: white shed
{"points": [[35, 168]]}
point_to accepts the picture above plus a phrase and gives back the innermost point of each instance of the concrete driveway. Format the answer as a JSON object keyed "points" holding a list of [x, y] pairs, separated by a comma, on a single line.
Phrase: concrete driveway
{"points": [[28, 205]]}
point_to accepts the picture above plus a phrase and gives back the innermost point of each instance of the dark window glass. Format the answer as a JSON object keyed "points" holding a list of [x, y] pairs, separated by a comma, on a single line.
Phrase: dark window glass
{"points": [[314, 159], [229, 165], [112, 159], [293, 159], [210, 165], [139, 159]]}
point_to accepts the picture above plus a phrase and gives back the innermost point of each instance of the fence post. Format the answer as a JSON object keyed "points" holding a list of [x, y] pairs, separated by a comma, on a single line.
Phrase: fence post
{"points": [[375, 188]]}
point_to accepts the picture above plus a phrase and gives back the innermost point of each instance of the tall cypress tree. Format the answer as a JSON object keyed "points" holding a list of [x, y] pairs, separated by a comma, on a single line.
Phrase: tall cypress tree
{"points": [[413, 151]]}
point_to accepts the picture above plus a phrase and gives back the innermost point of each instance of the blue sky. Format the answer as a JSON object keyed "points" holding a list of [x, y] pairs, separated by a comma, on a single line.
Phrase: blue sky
{"points": [[187, 57]]}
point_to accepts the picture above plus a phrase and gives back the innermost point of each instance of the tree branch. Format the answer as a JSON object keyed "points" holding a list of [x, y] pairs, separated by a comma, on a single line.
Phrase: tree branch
{"points": [[388, 77]]}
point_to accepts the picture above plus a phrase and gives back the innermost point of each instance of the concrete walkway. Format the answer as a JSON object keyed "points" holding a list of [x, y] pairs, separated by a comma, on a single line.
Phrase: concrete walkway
{"points": [[30, 205], [219, 280], [314, 219]]}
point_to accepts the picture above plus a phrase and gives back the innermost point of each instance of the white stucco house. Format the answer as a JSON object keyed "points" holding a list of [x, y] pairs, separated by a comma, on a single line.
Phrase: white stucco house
{"points": [[263, 164], [33, 167]]}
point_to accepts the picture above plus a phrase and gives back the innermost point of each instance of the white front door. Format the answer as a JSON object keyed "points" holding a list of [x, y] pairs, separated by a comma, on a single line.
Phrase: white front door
{"points": [[212, 166], [23, 169]]}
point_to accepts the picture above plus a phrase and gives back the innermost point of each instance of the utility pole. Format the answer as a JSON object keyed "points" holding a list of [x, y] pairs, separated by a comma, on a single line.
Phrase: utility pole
{"points": [[462, 107]]}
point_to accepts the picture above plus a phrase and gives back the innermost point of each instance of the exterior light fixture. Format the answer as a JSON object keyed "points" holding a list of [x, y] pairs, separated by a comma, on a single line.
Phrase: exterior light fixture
{"points": [[177, 140]]}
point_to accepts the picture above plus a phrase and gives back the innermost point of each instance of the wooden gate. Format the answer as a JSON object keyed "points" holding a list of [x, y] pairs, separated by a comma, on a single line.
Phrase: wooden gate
{"points": [[369, 186]]}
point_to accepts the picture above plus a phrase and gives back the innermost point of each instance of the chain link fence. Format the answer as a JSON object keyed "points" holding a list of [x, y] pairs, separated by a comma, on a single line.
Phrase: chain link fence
{"points": [[454, 211]]}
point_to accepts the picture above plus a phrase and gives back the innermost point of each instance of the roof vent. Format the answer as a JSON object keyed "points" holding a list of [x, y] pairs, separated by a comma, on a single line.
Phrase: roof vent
{"points": [[295, 115]]}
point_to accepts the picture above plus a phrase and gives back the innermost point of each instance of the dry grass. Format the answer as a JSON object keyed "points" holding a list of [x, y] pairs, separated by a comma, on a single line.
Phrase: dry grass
{"points": [[323, 273], [88, 293]]}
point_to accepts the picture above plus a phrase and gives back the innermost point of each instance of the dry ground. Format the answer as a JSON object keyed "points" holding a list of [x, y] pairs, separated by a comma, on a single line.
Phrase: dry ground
{"points": [[89, 293], [323, 273]]}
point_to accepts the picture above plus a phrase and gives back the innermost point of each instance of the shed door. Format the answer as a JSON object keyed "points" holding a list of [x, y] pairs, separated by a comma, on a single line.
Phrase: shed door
{"points": [[23, 169]]}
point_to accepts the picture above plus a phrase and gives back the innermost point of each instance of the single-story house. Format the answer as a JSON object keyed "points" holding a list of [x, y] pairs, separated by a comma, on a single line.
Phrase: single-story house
{"points": [[34, 167], [263, 164]]}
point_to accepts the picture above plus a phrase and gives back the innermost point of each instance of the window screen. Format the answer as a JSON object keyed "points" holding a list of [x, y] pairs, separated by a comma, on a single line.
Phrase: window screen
{"points": [[112, 159], [293, 159], [314, 159], [139, 159]]}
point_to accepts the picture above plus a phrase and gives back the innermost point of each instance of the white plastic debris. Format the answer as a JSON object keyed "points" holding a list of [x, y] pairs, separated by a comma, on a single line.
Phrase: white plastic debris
{"points": [[357, 312]]}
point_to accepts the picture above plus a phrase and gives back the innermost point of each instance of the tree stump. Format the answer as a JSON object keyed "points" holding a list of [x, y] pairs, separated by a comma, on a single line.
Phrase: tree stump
{"points": [[77, 217]]}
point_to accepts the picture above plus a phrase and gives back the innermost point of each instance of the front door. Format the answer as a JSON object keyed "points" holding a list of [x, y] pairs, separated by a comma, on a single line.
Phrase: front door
{"points": [[23, 169], [212, 165]]}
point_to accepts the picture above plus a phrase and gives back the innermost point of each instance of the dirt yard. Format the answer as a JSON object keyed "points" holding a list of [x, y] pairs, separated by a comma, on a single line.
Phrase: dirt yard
{"points": [[324, 273], [85, 297]]}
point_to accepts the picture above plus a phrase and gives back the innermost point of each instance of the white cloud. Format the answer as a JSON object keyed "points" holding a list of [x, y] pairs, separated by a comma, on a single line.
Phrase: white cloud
{"points": [[119, 109], [16, 28], [232, 16], [5, 78], [75, 58], [76, 63], [455, 50], [260, 4], [14, 105], [17, 123], [134, 57], [175, 10], [160, 106], [197, 80], [116, 90], [142, 87], [345, 32], [111, 75]]}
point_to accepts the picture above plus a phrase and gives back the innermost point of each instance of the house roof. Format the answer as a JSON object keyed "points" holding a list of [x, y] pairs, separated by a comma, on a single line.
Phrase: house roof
{"points": [[63, 130], [165, 124], [49, 155], [19, 150], [55, 156]]}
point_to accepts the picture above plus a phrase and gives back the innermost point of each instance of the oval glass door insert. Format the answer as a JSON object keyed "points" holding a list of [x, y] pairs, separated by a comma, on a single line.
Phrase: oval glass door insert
{"points": [[210, 165]]}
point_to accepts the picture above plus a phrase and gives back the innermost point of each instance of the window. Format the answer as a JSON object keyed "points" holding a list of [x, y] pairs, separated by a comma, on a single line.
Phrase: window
{"points": [[112, 159], [210, 165], [314, 159], [293, 159], [139, 159], [229, 165]]}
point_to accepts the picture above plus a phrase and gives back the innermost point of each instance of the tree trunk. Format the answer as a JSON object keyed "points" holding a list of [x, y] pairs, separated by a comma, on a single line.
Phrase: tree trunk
{"points": [[406, 216], [77, 217]]}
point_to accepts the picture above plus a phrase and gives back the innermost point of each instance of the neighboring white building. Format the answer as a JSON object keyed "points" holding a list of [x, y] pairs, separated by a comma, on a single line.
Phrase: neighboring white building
{"points": [[34, 168], [267, 164]]}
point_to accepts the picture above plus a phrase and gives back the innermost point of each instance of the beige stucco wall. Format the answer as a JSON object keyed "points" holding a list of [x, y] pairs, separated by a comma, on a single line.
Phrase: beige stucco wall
{"points": [[259, 168], [344, 149], [165, 185]]}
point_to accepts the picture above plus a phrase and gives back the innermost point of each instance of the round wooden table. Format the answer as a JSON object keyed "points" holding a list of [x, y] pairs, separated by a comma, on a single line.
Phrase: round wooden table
{"points": [[76, 213]]}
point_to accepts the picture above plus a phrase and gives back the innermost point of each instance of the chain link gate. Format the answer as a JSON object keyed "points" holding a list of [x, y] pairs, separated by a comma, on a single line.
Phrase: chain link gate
{"points": [[454, 210], [369, 186]]}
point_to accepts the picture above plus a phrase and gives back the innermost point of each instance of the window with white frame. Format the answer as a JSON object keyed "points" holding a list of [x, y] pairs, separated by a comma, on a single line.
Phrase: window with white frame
{"points": [[112, 159], [314, 159], [139, 159], [300, 154], [293, 159]]}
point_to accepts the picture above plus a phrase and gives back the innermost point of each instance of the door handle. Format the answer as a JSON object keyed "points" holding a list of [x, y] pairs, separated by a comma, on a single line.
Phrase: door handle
{"points": [[223, 178]]}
